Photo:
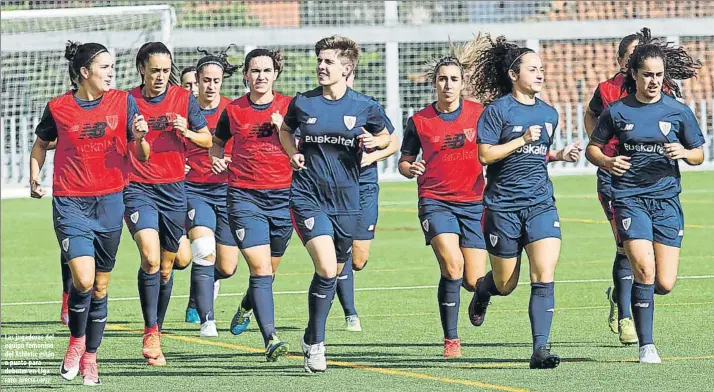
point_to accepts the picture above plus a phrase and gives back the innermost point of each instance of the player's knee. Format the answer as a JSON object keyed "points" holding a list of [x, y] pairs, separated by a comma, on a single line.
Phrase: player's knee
{"points": [[150, 263], [663, 288], [506, 287], [166, 274], [83, 283], [453, 271], [203, 251], [644, 273], [228, 271], [358, 265], [183, 257], [468, 284], [260, 270], [100, 290]]}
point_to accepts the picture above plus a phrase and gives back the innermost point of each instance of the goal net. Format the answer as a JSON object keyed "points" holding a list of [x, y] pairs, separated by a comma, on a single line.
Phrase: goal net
{"points": [[34, 69]]}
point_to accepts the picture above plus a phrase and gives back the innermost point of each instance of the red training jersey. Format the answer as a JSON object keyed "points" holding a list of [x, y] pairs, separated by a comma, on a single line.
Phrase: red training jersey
{"points": [[258, 160], [197, 157], [453, 171], [167, 158], [610, 91], [91, 153]]}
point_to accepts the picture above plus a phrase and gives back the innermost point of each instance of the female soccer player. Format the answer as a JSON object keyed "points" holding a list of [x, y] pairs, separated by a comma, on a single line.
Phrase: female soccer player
{"points": [[324, 198], [212, 244], [259, 189], [92, 125], [607, 92], [654, 131], [366, 223], [519, 195], [189, 81], [451, 184], [155, 197]]}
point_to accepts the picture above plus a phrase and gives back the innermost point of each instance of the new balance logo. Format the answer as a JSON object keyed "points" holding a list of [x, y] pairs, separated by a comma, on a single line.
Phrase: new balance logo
{"points": [[681, 233], [453, 141], [556, 224], [159, 123], [311, 120], [517, 129], [628, 277], [628, 127], [77, 310], [262, 130], [449, 304], [370, 228], [550, 310], [93, 131], [342, 277], [641, 304], [319, 295], [103, 320]]}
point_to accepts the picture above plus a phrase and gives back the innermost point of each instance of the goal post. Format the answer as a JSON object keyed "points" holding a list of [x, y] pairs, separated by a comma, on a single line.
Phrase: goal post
{"points": [[34, 69]]}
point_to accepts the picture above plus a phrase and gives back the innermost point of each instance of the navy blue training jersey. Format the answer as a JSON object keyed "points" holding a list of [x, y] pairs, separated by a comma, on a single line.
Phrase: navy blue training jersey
{"points": [[642, 130], [328, 140], [520, 179], [369, 173]]}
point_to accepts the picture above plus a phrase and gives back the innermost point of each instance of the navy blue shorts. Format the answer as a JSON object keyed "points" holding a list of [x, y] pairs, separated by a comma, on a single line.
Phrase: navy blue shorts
{"points": [[89, 226], [161, 207], [206, 205], [310, 222], [507, 232], [439, 217], [369, 212], [607, 207], [260, 217], [658, 220]]}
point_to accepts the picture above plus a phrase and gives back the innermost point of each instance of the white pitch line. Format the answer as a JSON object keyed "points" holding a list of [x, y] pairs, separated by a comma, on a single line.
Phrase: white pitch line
{"points": [[356, 289]]}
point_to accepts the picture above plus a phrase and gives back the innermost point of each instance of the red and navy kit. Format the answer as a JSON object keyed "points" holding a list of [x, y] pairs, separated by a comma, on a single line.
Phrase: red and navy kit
{"points": [[259, 174], [155, 197], [197, 157], [91, 162], [451, 188]]}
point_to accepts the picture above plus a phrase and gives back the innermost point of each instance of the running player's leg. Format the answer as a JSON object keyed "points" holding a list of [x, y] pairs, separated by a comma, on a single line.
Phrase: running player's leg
{"points": [[668, 232], [542, 239], [66, 284], [183, 258], [473, 247], [142, 219], [620, 317], [634, 226]]}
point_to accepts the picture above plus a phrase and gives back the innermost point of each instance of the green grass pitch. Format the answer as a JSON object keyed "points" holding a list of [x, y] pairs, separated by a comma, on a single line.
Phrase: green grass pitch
{"points": [[401, 346]]}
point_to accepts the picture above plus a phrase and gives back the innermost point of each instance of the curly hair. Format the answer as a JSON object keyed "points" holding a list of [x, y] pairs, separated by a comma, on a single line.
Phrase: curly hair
{"points": [[220, 59], [678, 64], [490, 79]]}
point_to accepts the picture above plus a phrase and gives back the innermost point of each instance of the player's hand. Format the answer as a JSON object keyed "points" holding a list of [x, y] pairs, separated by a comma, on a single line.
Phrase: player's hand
{"points": [[276, 119], [181, 124], [219, 166], [36, 191], [571, 152], [367, 159], [532, 134], [368, 140], [618, 165], [675, 151], [186, 168], [297, 162], [417, 168], [139, 127]]}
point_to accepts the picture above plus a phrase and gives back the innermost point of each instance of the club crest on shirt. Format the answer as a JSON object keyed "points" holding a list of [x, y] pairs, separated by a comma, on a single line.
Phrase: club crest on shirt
{"points": [[240, 233], [350, 121], [65, 244], [75, 128], [626, 223], [310, 223], [665, 127], [112, 121], [470, 134], [549, 128], [191, 213]]}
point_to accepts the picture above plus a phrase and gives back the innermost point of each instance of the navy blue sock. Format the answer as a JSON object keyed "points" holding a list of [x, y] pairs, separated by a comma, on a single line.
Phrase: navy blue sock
{"points": [[191, 296], [149, 296], [540, 311], [319, 300], [78, 304], [247, 303], [486, 288], [643, 311], [95, 325], [164, 298], [261, 293], [449, 301], [346, 289], [66, 275], [622, 278], [202, 283]]}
